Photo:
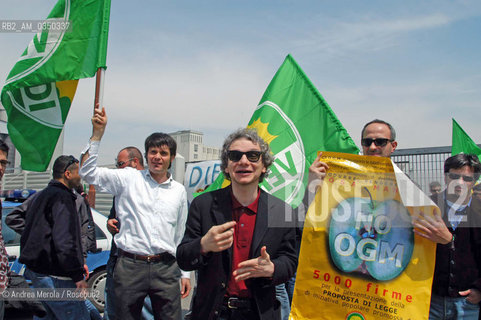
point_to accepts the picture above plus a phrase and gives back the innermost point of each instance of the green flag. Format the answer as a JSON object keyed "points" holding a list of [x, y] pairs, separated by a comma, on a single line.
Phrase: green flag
{"points": [[462, 143], [40, 88], [297, 122]]}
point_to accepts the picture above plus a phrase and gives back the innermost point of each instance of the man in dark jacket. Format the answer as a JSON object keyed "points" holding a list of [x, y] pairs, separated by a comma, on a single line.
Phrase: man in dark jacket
{"points": [[50, 245], [235, 239], [16, 220], [456, 288]]}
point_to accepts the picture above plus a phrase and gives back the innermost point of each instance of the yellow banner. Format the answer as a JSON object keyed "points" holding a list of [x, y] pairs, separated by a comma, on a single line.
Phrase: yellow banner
{"points": [[360, 258]]}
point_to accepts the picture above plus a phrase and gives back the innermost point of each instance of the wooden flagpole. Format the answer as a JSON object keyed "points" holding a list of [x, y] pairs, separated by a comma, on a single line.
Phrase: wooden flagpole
{"points": [[99, 97]]}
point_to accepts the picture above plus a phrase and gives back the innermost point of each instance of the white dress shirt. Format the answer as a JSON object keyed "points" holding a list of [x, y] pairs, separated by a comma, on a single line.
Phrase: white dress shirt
{"points": [[152, 215]]}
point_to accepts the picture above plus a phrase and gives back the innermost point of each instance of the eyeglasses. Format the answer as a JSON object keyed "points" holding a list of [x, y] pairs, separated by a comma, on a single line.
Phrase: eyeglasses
{"points": [[4, 163], [455, 176], [121, 164], [71, 161], [380, 142], [235, 155]]}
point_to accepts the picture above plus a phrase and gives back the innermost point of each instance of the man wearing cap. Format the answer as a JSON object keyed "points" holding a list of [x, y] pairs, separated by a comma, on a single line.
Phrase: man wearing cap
{"points": [[50, 245]]}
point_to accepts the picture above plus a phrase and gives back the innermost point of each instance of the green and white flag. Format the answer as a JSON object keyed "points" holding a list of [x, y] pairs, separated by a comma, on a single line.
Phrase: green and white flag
{"points": [[297, 122], [40, 88], [462, 143]]}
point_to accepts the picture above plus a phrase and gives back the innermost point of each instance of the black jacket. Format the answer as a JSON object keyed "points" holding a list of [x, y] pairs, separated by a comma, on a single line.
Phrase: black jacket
{"points": [[50, 243], [215, 208], [16, 221], [458, 263]]}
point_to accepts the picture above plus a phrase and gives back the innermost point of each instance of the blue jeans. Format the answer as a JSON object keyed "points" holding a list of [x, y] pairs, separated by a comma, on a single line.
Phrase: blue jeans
{"points": [[281, 295], [290, 287], [109, 311], [447, 308], [93, 311], [75, 310]]}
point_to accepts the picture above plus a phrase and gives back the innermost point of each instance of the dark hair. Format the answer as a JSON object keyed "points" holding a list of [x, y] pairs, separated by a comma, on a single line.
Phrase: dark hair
{"points": [[4, 147], [460, 160], [251, 135], [434, 184], [61, 165], [159, 139], [393, 132], [134, 152]]}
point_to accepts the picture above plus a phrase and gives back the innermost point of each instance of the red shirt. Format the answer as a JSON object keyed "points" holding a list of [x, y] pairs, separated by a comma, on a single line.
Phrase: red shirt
{"points": [[243, 233]]}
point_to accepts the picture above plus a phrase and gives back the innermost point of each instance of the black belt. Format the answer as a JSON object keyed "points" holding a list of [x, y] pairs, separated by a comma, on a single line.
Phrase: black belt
{"points": [[164, 256], [238, 303]]}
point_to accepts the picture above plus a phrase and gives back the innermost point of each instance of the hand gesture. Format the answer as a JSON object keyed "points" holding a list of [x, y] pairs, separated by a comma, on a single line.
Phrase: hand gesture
{"points": [[112, 226], [472, 295], [317, 172], [184, 287], [260, 267], [99, 122], [86, 272], [218, 238], [432, 228], [82, 288]]}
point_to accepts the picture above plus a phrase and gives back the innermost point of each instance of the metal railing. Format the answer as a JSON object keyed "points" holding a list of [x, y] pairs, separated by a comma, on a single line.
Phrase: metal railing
{"points": [[422, 165]]}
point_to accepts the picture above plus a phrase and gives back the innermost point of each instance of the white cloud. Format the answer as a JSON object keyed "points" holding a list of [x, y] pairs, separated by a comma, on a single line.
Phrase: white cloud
{"points": [[368, 33]]}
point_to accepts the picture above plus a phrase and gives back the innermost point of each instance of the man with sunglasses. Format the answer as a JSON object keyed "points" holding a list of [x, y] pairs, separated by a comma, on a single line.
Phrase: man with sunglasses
{"points": [[456, 289], [127, 157], [235, 238], [50, 245], [151, 208], [378, 138]]}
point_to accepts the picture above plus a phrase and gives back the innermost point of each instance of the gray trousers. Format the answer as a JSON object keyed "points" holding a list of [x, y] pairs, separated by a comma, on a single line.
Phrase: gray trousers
{"points": [[135, 279]]}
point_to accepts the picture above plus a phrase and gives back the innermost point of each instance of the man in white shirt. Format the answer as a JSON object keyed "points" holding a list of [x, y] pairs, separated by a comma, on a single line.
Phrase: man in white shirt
{"points": [[152, 209]]}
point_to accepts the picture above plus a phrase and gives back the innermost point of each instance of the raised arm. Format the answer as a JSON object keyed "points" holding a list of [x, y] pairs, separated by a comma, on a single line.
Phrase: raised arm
{"points": [[99, 122]]}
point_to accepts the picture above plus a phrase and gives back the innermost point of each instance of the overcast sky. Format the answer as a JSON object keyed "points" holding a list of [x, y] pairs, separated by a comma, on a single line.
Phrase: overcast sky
{"points": [[204, 65]]}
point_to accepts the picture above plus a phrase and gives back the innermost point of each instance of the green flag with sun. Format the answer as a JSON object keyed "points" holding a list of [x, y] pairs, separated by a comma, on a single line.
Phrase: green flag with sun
{"points": [[297, 122]]}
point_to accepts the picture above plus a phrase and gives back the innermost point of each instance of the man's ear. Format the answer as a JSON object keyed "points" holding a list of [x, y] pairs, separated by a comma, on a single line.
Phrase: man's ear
{"points": [[136, 163], [67, 174], [394, 145]]}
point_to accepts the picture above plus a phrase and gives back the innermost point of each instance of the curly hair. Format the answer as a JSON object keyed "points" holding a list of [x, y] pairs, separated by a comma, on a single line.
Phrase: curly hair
{"points": [[251, 135]]}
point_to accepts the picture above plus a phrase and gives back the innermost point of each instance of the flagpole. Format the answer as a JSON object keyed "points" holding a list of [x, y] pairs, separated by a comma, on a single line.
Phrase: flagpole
{"points": [[98, 101], [99, 87]]}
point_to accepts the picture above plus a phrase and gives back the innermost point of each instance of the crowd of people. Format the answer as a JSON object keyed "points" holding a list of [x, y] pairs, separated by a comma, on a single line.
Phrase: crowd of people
{"points": [[245, 268]]}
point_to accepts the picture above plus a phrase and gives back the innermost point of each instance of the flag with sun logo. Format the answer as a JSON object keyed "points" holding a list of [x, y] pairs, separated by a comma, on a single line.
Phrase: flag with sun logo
{"points": [[297, 122], [70, 45]]}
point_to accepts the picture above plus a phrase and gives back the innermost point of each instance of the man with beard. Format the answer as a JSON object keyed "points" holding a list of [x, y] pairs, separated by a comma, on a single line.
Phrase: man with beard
{"points": [[51, 246]]}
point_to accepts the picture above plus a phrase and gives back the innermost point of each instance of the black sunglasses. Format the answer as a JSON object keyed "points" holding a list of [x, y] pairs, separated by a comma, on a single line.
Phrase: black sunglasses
{"points": [[380, 142], [235, 155], [455, 176], [4, 163], [120, 164], [71, 161]]}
